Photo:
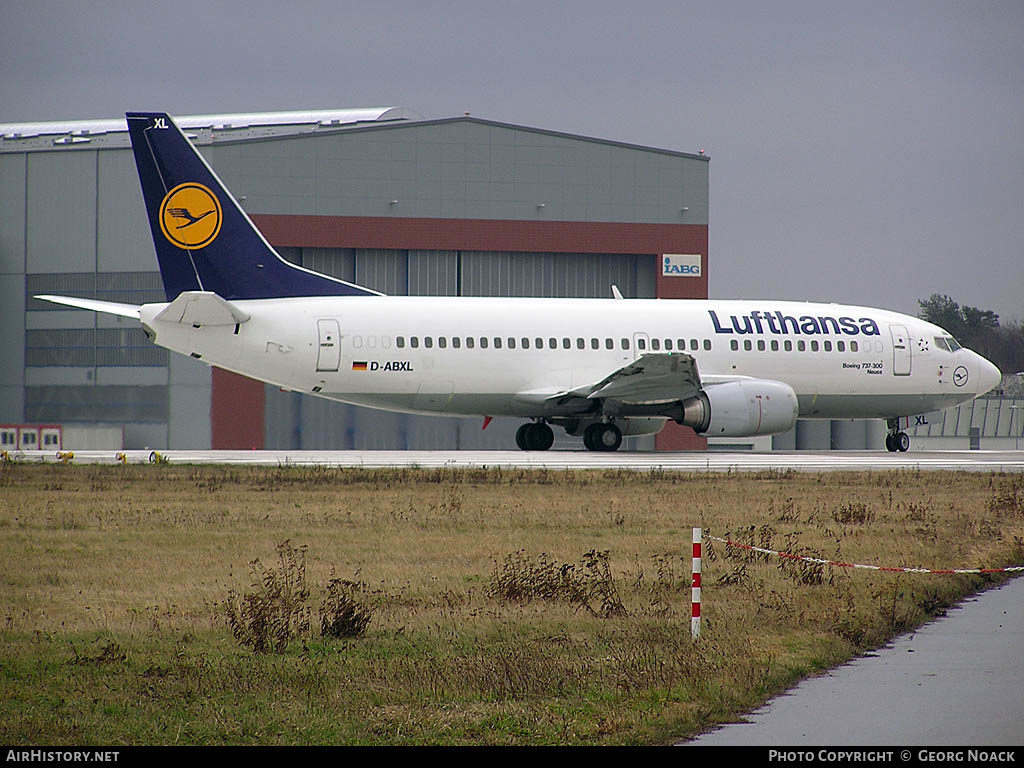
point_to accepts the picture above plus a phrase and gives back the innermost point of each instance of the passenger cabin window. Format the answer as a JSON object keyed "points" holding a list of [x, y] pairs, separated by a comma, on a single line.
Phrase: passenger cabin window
{"points": [[580, 344], [668, 344], [707, 345], [734, 345], [456, 341], [841, 346], [655, 344], [609, 344], [625, 343], [747, 345], [414, 342], [400, 342], [641, 344], [442, 342], [483, 342], [595, 344], [497, 342], [470, 342], [428, 342], [828, 346], [566, 343]]}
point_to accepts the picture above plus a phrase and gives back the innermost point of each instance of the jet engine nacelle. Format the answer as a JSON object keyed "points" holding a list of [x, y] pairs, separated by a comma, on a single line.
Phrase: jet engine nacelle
{"points": [[742, 408]]}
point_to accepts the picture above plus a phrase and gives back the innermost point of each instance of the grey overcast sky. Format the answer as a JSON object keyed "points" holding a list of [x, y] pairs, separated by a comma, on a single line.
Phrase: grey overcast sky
{"points": [[862, 152]]}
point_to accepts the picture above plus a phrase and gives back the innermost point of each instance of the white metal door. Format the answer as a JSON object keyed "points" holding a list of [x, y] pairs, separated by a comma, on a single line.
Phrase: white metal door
{"points": [[900, 350], [328, 356]]}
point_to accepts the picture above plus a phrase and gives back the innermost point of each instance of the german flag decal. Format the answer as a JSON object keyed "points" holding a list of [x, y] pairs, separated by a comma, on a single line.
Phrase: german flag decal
{"points": [[357, 366]]}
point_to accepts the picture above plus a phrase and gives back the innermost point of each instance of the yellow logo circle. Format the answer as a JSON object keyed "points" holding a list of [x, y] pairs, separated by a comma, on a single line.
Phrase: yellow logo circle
{"points": [[190, 216]]}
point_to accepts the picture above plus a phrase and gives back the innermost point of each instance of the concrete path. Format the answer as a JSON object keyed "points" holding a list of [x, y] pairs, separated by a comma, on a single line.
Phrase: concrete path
{"points": [[959, 680]]}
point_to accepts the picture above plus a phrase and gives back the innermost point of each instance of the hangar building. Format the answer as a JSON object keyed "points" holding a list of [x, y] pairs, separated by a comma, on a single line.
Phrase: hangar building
{"points": [[380, 197]]}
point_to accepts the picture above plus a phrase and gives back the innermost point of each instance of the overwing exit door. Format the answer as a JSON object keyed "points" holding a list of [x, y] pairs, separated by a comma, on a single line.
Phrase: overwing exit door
{"points": [[641, 345], [328, 356]]}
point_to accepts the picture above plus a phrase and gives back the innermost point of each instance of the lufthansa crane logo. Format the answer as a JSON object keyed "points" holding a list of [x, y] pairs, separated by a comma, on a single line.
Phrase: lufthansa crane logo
{"points": [[190, 216]]}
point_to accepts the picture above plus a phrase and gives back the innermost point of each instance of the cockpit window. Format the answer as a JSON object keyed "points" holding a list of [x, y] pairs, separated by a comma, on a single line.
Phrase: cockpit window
{"points": [[941, 343], [953, 344]]}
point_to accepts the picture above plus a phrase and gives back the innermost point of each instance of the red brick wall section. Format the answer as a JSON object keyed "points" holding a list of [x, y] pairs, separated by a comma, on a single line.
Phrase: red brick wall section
{"points": [[676, 438], [236, 412]]}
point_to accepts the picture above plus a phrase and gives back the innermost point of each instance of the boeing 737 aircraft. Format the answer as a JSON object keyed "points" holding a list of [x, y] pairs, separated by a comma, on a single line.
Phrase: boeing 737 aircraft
{"points": [[598, 368]]}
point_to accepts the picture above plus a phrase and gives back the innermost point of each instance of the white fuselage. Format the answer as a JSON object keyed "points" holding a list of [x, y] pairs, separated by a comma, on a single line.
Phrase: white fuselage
{"points": [[493, 357]]}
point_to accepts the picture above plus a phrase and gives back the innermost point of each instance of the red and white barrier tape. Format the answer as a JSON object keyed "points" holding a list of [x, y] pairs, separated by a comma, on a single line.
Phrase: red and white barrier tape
{"points": [[836, 564]]}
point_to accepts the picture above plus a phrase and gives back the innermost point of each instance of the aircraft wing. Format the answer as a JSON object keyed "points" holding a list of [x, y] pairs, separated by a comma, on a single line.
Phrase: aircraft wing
{"points": [[109, 307], [652, 378]]}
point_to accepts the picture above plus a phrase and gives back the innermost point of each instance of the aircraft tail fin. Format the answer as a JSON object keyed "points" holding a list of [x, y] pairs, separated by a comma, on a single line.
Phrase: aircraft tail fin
{"points": [[204, 240]]}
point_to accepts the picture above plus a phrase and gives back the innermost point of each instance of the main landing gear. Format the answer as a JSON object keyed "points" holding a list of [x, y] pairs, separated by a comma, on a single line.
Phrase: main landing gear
{"points": [[897, 439], [602, 437], [534, 436]]}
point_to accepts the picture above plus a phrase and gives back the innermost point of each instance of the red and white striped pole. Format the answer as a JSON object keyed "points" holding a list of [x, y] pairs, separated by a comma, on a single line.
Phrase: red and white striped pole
{"points": [[695, 589]]}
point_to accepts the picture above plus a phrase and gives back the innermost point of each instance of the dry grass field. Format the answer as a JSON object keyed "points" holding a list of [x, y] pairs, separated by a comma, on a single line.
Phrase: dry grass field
{"points": [[504, 606]]}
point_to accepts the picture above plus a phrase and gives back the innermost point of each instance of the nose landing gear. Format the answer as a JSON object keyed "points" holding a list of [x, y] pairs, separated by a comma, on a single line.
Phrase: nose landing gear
{"points": [[896, 440]]}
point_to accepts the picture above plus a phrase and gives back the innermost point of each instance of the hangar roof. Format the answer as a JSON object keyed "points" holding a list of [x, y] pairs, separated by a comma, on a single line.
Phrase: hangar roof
{"points": [[50, 135], [210, 129]]}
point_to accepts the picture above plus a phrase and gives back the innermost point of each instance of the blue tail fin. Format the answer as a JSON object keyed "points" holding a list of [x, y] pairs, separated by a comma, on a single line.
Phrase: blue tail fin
{"points": [[204, 240]]}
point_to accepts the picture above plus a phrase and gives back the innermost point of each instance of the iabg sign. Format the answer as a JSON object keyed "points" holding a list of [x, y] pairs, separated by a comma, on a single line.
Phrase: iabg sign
{"points": [[680, 265]]}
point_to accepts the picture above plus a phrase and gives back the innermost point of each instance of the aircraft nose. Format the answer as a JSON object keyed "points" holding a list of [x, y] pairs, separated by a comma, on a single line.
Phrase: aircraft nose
{"points": [[988, 376]]}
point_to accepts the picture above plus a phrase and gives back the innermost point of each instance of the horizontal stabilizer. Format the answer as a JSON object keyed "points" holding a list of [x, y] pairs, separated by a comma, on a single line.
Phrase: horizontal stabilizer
{"points": [[109, 307], [201, 308]]}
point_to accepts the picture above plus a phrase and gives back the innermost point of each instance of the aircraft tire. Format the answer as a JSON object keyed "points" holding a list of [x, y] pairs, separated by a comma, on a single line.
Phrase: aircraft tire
{"points": [[521, 436], [539, 436], [602, 437], [902, 442], [609, 438]]}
